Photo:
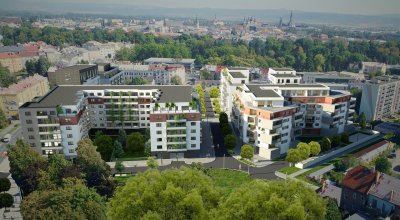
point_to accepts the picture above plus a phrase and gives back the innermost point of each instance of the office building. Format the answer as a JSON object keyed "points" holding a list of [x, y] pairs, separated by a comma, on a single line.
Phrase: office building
{"points": [[73, 75], [380, 98], [15, 95], [55, 123]]}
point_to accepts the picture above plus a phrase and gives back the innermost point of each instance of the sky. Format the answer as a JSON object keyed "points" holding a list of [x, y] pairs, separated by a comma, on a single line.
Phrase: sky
{"points": [[363, 7]]}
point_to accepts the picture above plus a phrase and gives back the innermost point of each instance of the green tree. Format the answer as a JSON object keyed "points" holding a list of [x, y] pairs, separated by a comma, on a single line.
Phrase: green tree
{"points": [[42, 65], [135, 142], [230, 141], [104, 145], [319, 61], [247, 151], [326, 144], [97, 172], [5, 184], [25, 164], [336, 140], [6, 200], [176, 80], [118, 150], [332, 210], [383, 165], [363, 120], [205, 75], [71, 201], [119, 167], [30, 66], [152, 163], [4, 122], [214, 92], [122, 136], [304, 150], [171, 194], [293, 156], [344, 137], [226, 129], [315, 148], [6, 78], [223, 118], [281, 200]]}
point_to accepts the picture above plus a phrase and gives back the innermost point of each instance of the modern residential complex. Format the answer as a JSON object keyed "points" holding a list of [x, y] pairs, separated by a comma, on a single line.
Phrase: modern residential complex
{"points": [[333, 80], [56, 122], [23, 91], [380, 98], [271, 116], [73, 75]]}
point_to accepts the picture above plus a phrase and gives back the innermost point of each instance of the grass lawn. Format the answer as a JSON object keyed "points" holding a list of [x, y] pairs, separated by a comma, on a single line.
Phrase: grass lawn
{"points": [[228, 180], [121, 180], [247, 162], [127, 156], [289, 170]]}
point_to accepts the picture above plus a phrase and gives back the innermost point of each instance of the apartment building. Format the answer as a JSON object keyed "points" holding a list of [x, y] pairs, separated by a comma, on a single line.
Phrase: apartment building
{"points": [[73, 75], [55, 123], [187, 63], [270, 117], [380, 98], [15, 95], [15, 57], [231, 79]]}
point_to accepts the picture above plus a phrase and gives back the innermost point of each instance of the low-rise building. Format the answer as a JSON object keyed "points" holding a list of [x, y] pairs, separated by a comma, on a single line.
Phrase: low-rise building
{"points": [[380, 98], [15, 95], [73, 75], [188, 63], [55, 123], [15, 57]]}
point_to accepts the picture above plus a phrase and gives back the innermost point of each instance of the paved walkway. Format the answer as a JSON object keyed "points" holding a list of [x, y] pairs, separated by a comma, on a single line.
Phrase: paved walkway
{"points": [[14, 211], [299, 172], [322, 171]]}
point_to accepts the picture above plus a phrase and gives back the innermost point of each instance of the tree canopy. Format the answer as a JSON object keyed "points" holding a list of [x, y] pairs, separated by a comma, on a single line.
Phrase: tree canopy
{"points": [[247, 151]]}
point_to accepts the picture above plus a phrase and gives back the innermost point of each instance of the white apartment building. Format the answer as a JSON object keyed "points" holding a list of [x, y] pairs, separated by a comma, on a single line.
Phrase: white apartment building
{"points": [[231, 79], [380, 98], [270, 117], [56, 123]]}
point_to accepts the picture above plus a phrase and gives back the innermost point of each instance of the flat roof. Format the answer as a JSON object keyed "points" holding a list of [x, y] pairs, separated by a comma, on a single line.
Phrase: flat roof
{"points": [[282, 69], [237, 74], [170, 60], [293, 85], [66, 94], [259, 93], [285, 76], [77, 67]]}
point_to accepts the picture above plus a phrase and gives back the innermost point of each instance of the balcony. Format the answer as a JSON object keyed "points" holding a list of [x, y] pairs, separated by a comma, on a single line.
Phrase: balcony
{"points": [[176, 147], [177, 133]]}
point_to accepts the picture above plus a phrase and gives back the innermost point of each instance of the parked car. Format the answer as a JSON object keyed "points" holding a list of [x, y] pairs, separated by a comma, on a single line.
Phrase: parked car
{"points": [[391, 156], [6, 138]]}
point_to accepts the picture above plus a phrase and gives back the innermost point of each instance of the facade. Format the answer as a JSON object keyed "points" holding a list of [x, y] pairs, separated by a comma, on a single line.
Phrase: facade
{"points": [[14, 57], [334, 80], [270, 117], [188, 63], [230, 79], [15, 95], [73, 75], [55, 123], [380, 98], [365, 189]]}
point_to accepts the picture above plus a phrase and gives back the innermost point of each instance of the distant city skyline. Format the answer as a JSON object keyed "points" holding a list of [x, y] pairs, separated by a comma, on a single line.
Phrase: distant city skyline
{"points": [[362, 7]]}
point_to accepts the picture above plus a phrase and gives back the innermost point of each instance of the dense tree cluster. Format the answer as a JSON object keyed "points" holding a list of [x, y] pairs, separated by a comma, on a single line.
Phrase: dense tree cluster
{"points": [[190, 194], [6, 78], [303, 54], [303, 151], [39, 66]]}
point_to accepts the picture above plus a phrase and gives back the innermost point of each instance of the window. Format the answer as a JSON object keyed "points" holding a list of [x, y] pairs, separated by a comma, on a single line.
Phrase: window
{"points": [[69, 136], [159, 146], [70, 143], [27, 113], [71, 151], [30, 129], [193, 138], [31, 137], [193, 145], [68, 128], [193, 131], [33, 144], [192, 123], [159, 132], [159, 139], [52, 112], [158, 125], [29, 121]]}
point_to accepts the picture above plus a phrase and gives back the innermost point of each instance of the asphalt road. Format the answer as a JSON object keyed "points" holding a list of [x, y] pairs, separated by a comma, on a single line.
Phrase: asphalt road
{"points": [[3, 146]]}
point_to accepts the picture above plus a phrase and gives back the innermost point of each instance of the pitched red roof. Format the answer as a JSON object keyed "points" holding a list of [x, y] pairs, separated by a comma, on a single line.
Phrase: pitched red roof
{"points": [[360, 179]]}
